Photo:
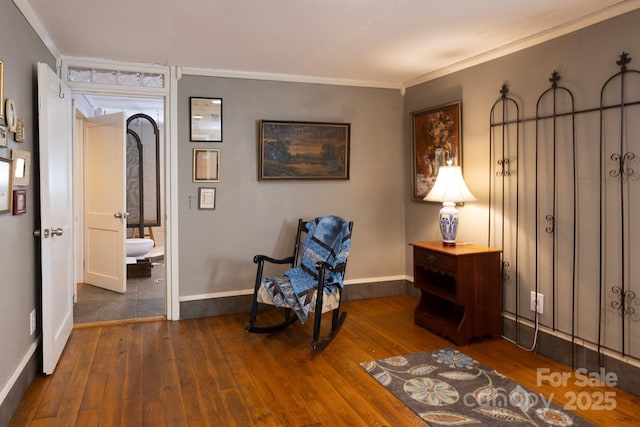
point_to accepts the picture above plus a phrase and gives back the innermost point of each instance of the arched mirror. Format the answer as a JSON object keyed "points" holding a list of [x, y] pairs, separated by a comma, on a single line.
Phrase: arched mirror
{"points": [[143, 172]]}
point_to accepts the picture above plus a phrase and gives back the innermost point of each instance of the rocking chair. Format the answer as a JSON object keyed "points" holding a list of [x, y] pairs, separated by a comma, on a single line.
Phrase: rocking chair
{"points": [[313, 283]]}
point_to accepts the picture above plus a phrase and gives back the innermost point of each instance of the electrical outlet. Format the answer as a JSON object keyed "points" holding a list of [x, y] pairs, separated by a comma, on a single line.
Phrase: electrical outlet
{"points": [[540, 302], [32, 322]]}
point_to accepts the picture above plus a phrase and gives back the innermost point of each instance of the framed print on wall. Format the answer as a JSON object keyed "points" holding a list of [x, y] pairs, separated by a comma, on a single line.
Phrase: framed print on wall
{"points": [[3, 135], [19, 137], [206, 165], [206, 119], [21, 167], [5, 185], [437, 138], [303, 150], [206, 198], [19, 201], [12, 116]]}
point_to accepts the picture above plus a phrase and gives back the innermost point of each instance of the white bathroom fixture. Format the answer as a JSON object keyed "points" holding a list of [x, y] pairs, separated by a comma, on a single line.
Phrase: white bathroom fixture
{"points": [[138, 248]]}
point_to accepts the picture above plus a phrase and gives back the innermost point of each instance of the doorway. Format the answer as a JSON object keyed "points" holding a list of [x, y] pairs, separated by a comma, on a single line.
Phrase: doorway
{"points": [[145, 294]]}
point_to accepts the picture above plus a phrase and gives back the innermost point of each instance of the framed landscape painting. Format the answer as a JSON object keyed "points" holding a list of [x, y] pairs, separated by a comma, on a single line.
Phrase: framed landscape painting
{"points": [[437, 138], [303, 150]]}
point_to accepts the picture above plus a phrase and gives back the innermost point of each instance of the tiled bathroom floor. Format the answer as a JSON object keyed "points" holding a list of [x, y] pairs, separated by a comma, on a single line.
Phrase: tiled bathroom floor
{"points": [[144, 298]]}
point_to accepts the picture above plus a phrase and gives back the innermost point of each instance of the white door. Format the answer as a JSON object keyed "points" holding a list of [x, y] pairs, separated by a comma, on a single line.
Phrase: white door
{"points": [[56, 213], [105, 202]]}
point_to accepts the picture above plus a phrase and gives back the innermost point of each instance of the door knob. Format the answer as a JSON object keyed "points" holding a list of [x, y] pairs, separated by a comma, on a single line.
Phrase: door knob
{"points": [[56, 232], [120, 215]]}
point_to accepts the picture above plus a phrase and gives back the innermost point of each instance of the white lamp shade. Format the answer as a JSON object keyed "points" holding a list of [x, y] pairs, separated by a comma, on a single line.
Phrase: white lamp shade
{"points": [[450, 187]]}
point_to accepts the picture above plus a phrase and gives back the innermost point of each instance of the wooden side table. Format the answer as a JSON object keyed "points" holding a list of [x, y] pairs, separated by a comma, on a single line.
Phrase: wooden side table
{"points": [[460, 290]]}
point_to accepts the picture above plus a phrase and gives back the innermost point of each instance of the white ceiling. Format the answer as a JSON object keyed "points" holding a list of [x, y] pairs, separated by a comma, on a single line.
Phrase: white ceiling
{"points": [[381, 43]]}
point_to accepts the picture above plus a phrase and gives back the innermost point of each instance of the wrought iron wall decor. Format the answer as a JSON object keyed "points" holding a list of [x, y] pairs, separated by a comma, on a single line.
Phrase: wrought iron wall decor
{"points": [[540, 210], [143, 184], [623, 175]]}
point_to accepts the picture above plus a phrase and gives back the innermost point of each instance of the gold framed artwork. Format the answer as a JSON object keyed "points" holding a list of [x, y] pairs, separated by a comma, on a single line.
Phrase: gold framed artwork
{"points": [[437, 138], [21, 166], [206, 165]]}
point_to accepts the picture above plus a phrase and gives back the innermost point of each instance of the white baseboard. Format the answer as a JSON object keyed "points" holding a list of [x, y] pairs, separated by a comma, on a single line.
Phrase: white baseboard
{"points": [[18, 371]]}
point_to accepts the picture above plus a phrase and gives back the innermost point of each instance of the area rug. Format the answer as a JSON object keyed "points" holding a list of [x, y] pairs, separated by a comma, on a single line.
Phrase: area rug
{"points": [[447, 387]]}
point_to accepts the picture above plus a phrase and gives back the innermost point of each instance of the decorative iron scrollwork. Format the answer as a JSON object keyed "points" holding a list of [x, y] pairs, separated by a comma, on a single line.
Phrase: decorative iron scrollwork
{"points": [[552, 224], [623, 165], [506, 273], [624, 303], [503, 168]]}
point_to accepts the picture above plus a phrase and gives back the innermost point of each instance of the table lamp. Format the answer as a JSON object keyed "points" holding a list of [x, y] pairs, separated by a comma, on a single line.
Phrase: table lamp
{"points": [[449, 189]]}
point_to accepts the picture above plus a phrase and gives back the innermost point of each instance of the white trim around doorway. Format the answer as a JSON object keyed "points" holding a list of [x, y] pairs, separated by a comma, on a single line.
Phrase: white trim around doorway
{"points": [[169, 95]]}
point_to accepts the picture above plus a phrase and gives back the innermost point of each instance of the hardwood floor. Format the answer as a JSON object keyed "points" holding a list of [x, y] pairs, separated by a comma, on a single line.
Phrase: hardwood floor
{"points": [[210, 372]]}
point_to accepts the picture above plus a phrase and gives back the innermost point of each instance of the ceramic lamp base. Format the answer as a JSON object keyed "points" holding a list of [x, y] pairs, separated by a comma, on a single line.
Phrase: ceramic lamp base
{"points": [[449, 223]]}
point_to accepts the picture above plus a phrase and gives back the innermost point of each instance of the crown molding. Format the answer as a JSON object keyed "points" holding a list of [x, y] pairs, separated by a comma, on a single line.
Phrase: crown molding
{"points": [[535, 39], [290, 78]]}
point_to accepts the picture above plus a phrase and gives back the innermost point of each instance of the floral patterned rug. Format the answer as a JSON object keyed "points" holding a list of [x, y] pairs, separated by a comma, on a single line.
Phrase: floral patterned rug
{"points": [[447, 387]]}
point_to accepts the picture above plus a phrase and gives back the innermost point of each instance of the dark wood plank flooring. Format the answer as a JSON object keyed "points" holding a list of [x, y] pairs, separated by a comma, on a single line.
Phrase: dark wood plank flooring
{"points": [[210, 372]]}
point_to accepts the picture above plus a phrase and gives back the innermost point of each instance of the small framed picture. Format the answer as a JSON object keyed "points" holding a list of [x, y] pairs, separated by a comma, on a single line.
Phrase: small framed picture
{"points": [[206, 119], [19, 201], [5, 185], [11, 115], [3, 136], [21, 166], [206, 165], [206, 198], [19, 137]]}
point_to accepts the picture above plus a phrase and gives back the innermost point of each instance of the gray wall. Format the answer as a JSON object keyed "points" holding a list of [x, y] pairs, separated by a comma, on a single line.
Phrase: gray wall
{"points": [[251, 216], [20, 50], [585, 60], [216, 247]]}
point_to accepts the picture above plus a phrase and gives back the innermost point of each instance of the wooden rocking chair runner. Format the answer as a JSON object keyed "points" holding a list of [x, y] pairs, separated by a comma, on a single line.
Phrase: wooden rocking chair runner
{"points": [[319, 263]]}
